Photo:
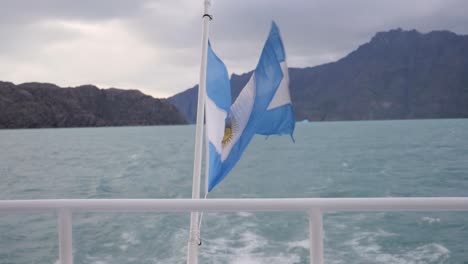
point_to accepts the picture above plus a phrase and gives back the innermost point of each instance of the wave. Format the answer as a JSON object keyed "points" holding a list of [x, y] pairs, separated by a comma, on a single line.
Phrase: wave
{"points": [[366, 246]]}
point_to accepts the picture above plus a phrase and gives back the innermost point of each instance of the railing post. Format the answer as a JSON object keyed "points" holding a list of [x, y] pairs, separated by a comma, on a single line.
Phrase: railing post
{"points": [[65, 236], [316, 236]]}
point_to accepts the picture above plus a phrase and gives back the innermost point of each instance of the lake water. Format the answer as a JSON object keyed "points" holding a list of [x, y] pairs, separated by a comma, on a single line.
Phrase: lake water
{"points": [[329, 159]]}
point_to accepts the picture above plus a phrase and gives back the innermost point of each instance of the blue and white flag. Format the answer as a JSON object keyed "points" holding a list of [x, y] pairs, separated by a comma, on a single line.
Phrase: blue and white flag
{"points": [[263, 107]]}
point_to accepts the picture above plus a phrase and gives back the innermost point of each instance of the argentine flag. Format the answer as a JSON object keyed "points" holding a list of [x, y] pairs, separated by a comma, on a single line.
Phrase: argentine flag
{"points": [[263, 107]]}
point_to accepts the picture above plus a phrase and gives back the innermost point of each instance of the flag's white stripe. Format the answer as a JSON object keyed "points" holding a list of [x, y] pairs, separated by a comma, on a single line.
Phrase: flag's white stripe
{"points": [[282, 96], [240, 114], [215, 118]]}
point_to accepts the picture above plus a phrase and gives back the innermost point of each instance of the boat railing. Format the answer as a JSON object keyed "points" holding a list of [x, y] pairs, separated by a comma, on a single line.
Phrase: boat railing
{"points": [[314, 207]]}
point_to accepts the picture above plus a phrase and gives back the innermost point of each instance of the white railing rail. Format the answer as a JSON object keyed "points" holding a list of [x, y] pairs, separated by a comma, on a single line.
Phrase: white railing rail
{"points": [[315, 207]]}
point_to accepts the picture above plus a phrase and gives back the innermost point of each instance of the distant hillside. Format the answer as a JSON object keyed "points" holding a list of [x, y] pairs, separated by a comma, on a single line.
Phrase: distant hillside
{"points": [[34, 105], [397, 75]]}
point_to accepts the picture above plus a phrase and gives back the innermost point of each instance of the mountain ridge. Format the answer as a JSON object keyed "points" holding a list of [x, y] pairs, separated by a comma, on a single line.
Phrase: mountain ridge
{"points": [[42, 105], [398, 74]]}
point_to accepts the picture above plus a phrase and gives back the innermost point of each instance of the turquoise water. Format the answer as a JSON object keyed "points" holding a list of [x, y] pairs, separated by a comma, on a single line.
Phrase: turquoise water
{"points": [[330, 159]]}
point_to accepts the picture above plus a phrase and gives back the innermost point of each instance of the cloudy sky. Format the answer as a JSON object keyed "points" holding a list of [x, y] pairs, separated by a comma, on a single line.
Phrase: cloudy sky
{"points": [[154, 45]]}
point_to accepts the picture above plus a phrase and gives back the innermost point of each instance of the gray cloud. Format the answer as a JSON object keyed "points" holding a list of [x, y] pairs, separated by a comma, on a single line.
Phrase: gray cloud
{"points": [[24, 11], [155, 45]]}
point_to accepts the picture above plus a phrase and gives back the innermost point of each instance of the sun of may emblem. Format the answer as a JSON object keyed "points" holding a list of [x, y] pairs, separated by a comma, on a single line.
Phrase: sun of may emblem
{"points": [[228, 132]]}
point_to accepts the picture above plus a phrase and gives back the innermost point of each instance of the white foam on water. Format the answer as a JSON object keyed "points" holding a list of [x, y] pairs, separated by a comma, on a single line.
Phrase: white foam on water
{"points": [[129, 239], [244, 214], [301, 244], [248, 248], [174, 259], [99, 260], [253, 259], [340, 225], [133, 260], [123, 247], [366, 246], [246, 244], [429, 253], [430, 220]]}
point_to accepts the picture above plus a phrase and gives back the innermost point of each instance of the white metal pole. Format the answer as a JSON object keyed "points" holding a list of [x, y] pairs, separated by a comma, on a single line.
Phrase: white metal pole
{"points": [[65, 236], [194, 235], [383, 204], [316, 236]]}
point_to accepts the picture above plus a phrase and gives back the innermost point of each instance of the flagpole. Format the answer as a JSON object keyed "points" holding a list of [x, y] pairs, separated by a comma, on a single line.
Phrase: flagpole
{"points": [[194, 235]]}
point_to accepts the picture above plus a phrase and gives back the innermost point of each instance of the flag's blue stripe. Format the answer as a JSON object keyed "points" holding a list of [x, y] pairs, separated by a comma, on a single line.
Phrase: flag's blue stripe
{"points": [[277, 121], [215, 166], [276, 42], [268, 76], [218, 87]]}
